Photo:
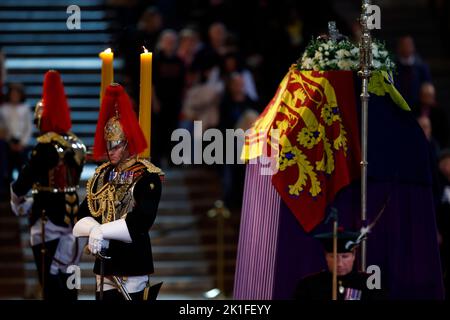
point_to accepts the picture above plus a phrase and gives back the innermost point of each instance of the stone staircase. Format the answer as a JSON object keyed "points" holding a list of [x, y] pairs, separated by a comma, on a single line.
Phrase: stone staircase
{"points": [[11, 259], [34, 38]]}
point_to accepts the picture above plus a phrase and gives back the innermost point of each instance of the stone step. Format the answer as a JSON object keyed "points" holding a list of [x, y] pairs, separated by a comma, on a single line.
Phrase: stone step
{"points": [[41, 27], [73, 38], [87, 91], [78, 102], [84, 116], [83, 128], [57, 63], [24, 14], [68, 79], [13, 291], [23, 4], [14, 51]]}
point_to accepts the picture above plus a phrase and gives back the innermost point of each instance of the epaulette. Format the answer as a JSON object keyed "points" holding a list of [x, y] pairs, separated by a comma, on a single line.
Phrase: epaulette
{"points": [[151, 167], [74, 137], [53, 137], [101, 167]]}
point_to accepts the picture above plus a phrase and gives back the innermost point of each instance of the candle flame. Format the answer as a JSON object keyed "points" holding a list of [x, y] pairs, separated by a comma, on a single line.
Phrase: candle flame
{"points": [[145, 49], [107, 50]]}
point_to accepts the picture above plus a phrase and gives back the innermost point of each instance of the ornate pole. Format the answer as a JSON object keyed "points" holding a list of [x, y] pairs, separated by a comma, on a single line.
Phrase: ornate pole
{"points": [[365, 51], [43, 255], [335, 253]]}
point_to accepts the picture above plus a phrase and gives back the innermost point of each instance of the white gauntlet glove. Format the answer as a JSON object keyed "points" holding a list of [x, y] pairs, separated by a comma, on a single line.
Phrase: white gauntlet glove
{"points": [[100, 235], [21, 206], [96, 241], [84, 227]]}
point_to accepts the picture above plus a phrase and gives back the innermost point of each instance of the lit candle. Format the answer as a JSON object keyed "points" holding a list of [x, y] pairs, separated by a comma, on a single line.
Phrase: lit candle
{"points": [[107, 57], [145, 98]]}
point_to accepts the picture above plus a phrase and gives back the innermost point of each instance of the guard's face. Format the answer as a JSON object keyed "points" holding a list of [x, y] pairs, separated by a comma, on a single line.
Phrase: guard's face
{"points": [[117, 153], [345, 262]]}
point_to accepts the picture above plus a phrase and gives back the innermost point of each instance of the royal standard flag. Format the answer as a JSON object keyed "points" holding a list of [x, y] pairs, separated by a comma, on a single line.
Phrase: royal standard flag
{"points": [[311, 127]]}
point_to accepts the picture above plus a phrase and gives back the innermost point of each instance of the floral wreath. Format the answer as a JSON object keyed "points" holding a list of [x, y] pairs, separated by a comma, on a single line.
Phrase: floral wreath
{"points": [[324, 54]]}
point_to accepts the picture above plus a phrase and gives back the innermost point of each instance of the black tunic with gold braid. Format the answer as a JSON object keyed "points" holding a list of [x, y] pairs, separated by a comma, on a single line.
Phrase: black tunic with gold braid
{"points": [[53, 173], [130, 191], [352, 286]]}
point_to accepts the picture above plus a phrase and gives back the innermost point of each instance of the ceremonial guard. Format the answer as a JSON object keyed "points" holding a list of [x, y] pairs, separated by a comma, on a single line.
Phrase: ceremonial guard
{"points": [[121, 203], [351, 284], [52, 173]]}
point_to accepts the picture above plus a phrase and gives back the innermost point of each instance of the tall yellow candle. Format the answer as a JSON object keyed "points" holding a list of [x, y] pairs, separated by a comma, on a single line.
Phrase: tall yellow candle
{"points": [[145, 98], [107, 57]]}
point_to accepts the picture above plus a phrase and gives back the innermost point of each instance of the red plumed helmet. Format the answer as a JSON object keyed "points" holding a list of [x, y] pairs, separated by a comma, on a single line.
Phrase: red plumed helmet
{"points": [[55, 113], [117, 104]]}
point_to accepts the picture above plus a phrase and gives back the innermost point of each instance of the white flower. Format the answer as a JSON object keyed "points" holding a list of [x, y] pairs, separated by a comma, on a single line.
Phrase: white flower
{"points": [[355, 51], [307, 63], [345, 64], [375, 53], [341, 53], [343, 56], [376, 64], [322, 65]]}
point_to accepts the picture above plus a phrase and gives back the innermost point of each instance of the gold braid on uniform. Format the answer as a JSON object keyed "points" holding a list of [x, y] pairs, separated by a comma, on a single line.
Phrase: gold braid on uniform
{"points": [[104, 196], [151, 167], [103, 202], [53, 136]]}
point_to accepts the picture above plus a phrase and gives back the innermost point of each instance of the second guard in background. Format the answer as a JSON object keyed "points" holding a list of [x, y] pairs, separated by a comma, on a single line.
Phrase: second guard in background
{"points": [[53, 174]]}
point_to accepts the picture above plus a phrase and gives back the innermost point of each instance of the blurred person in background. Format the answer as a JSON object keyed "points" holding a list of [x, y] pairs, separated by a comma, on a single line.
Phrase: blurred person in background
{"points": [[188, 46], [443, 217], [169, 75], [16, 117], [233, 64], [412, 71], [428, 107], [130, 41]]}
